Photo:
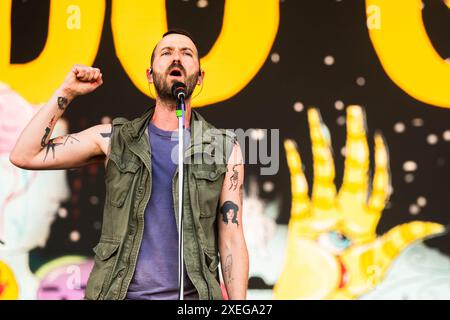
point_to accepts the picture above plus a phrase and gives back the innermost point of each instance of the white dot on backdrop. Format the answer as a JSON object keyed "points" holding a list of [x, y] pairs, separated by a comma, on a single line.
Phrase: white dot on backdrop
{"points": [[414, 209], [257, 134], [360, 81], [298, 106], [447, 60], [202, 3], [409, 166], [106, 120], [74, 236], [409, 178], [62, 212], [275, 57], [417, 122], [432, 138], [93, 200], [399, 127], [446, 135], [422, 201], [422, 6], [343, 151], [268, 186], [339, 105], [340, 120], [329, 60]]}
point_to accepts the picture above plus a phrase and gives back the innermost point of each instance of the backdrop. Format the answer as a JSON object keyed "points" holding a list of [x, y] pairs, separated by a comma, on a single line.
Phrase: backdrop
{"points": [[357, 89]]}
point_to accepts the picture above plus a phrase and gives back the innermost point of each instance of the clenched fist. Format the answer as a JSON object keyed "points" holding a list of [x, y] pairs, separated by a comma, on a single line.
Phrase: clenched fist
{"points": [[82, 80]]}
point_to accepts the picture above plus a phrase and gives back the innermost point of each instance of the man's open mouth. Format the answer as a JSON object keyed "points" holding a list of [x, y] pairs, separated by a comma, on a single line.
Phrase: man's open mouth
{"points": [[175, 73]]}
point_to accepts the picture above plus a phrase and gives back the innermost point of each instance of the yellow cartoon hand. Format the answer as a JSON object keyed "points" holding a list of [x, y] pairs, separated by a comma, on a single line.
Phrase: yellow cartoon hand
{"points": [[333, 250], [367, 264]]}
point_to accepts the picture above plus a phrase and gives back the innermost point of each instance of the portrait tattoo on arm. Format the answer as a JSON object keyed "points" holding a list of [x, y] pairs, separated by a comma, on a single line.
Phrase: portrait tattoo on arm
{"points": [[229, 212]]}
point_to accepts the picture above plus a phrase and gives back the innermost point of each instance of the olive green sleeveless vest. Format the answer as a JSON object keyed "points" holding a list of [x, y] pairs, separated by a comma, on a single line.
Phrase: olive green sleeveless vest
{"points": [[128, 181]]}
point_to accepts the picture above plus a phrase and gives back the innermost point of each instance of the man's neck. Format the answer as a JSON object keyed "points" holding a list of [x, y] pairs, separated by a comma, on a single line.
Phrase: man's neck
{"points": [[165, 118]]}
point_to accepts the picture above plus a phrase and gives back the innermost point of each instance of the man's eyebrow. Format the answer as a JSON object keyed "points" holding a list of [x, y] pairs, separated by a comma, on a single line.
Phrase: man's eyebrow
{"points": [[182, 49], [187, 48], [162, 49]]}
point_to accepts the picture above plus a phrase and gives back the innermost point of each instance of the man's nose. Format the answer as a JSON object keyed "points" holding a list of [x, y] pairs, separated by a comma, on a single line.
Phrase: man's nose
{"points": [[177, 56]]}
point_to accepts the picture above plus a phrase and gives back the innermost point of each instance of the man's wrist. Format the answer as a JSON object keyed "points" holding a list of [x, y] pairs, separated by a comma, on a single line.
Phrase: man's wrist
{"points": [[65, 94]]}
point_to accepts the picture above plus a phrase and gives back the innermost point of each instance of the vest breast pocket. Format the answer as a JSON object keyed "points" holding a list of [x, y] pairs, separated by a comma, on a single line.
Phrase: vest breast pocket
{"points": [[209, 181], [119, 177]]}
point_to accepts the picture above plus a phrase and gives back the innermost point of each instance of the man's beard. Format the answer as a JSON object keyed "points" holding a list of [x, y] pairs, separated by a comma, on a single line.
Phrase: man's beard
{"points": [[164, 88]]}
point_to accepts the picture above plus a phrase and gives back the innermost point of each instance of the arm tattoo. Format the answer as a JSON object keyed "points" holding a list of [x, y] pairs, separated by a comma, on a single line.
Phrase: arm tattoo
{"points": [[53, 143], [234, 178], [107, 134], [47, 131], [241, 192], [229, 211], [228, 268], [62, 103], [44, 138], [71, 137]]}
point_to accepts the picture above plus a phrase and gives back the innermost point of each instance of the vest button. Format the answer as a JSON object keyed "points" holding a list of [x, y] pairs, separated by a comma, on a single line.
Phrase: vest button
{"points": [[212, 175], [120, 274], [131, 232]]}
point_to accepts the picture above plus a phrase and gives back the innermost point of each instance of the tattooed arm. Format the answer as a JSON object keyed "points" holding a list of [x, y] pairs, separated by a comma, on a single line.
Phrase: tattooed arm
{"points": [[232, 247], [35, 150]]}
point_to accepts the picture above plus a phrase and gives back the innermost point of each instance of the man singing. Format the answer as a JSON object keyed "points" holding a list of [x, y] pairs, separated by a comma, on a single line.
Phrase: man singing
{"points": [[137, 255]]}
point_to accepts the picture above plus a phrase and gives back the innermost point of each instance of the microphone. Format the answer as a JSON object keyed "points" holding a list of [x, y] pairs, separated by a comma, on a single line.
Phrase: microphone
{"points": [[179, 90]]}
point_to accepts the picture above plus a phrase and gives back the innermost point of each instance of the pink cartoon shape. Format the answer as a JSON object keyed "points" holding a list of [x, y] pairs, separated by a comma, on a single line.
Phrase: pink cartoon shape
{"points": [[64, 278]]}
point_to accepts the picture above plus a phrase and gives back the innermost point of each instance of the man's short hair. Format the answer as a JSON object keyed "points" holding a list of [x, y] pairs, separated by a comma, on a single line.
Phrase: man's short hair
{"points": [[174, 31]]}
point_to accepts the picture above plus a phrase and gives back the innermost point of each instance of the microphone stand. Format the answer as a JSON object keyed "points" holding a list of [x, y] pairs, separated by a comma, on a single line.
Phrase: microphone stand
{"points": [[180, 110]]}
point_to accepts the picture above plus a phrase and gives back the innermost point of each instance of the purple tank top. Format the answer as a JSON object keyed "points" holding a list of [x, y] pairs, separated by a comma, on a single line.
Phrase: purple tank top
{"points": [[156, 273]]}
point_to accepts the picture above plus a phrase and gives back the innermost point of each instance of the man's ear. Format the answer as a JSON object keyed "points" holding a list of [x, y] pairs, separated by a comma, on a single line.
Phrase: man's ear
{"points": [[149, 75], [201, 77]]}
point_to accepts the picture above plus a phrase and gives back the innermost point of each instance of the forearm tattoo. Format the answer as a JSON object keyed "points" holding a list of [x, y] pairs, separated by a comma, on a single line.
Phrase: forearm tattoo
{"points": [[228, 269], [234, 178], [62, 103], [44, 138], [229, 212]]}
